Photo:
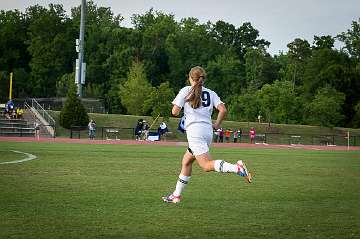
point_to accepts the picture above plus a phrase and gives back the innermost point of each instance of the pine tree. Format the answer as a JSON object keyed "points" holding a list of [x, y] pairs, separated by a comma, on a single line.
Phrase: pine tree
{"points": [[73, 112]]}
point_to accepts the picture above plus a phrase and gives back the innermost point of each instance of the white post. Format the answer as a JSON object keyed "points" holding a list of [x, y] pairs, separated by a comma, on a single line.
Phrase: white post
{"points": [[80, 47], [348, 137]]}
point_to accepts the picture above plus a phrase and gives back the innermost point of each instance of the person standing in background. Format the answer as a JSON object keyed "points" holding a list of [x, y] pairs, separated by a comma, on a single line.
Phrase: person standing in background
{"points": [[252, 135], [92, 129], [239, 134], [235, 135], [228, 135]]}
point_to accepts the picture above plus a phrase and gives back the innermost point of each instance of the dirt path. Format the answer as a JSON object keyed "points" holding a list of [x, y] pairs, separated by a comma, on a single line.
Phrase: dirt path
{"points": [[172, 143]]}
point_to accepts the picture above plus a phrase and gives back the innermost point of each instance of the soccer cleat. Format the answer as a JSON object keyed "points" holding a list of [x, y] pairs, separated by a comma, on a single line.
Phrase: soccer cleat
{"points": [[243, 172], [171, 199]]}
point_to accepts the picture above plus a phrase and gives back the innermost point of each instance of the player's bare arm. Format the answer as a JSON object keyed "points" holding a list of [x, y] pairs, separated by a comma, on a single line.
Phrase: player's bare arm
{"points": [[175, 110], [222, 113]]}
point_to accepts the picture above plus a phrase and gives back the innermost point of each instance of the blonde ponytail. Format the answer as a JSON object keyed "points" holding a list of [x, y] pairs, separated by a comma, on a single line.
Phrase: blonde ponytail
{"points": [[198, 75]]}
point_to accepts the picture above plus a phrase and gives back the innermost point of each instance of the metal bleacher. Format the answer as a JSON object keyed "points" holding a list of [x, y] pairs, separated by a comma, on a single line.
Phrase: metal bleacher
{"points": [[15, 127]]}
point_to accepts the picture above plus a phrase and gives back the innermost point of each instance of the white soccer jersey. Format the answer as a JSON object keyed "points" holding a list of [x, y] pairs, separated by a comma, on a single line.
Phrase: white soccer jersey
{"points": [[202, 114]]}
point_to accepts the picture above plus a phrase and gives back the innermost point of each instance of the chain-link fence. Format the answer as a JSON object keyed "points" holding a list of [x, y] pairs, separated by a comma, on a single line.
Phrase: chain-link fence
{"points": [[268, 138], [277, 138]]}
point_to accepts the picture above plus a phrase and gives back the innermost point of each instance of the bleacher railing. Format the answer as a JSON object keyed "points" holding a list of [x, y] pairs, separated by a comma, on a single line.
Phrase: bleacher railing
{"points": [[43, 112]]}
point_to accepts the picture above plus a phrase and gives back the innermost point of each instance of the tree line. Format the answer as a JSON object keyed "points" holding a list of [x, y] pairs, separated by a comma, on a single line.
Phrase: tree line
{"points": [[139, 69]]}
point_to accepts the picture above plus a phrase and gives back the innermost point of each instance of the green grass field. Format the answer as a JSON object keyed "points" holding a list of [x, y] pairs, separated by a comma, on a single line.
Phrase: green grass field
{"points": [[114, 191]]}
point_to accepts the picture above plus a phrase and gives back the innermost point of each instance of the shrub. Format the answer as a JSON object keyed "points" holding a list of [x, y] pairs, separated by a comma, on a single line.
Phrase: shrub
{"points": [[73, 113]]}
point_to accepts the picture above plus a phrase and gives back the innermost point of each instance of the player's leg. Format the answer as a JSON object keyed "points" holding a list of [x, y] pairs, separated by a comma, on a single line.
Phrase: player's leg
{"points": [[204, 162], [187, 161], [183, 179], [185, 175], [199, 142], [222, 166]]}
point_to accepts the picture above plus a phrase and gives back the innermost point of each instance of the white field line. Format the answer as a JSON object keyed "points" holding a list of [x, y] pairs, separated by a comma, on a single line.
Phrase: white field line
{"points": [[28, 158]]}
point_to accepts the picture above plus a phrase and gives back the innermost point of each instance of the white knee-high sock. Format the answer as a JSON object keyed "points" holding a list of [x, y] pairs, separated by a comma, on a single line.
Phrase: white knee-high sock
{"points": [[225, 167], [180, 184]]}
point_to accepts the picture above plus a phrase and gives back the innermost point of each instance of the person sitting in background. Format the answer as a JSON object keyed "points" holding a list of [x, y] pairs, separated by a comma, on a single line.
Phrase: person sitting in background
{"points": [[138, 129], [145, 130], [9, 105], [7, 113], [19, 113], [9, 109], [163, 128], [13, 113]]}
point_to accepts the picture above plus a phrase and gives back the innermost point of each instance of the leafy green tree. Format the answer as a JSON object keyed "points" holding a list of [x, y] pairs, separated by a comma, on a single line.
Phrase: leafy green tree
{"points": [[279, 102], [225, 76], [299, 49], [254, 66], [326, 66], [20, 82], [247, 38], [121, 58], [62, 85], [155, 27], [351, 39], [118, 64], [94, 90], [267, 98], [136, 90], [73, 113], [113, 99], [108, 53], [101, 40], [352, 93], [323, 42], [160, 101], [244, 107], [189, 46], [299, 52], [329, 67], [14, 56], [356, 118], [13, 29], [51, 46], [326, 108], [240, 39], [224, 33]]}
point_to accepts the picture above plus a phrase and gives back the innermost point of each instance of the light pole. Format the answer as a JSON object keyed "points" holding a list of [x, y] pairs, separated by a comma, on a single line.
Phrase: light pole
{"points": [[80, 65]]}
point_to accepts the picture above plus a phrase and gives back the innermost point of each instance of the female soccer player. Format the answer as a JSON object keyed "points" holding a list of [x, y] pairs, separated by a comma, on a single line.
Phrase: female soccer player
{"points": [[198, 103]]}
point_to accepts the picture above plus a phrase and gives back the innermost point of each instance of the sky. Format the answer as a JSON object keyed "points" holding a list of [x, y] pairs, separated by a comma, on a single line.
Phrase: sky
{"points": [[278, 21]]}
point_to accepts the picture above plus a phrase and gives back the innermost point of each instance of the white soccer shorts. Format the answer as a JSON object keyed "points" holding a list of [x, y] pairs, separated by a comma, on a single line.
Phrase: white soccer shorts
{"points": [[199, 137]]}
